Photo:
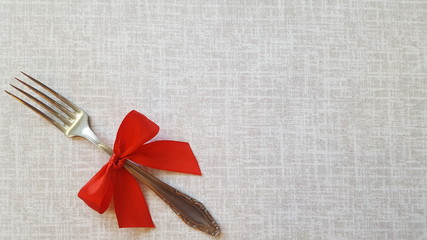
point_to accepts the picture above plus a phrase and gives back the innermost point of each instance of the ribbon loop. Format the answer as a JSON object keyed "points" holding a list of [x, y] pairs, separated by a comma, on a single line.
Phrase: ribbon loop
{"points": [[113, 181]]}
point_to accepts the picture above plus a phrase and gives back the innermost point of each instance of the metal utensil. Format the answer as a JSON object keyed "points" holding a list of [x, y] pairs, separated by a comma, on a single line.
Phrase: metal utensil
{"points": [[73, 122]]}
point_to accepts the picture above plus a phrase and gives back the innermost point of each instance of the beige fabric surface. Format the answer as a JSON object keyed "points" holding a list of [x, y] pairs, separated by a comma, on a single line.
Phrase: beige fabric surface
{"points": [[308, 118]]}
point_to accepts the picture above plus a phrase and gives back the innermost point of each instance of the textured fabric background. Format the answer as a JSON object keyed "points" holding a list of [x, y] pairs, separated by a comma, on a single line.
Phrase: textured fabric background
{"points": [[309, 118]]}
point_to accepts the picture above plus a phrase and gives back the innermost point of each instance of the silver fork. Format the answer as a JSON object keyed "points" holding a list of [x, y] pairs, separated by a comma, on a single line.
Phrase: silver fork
{"points": [[74, 122]]}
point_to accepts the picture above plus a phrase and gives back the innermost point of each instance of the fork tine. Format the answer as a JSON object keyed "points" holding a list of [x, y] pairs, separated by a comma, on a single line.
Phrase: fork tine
{"points": [[38, 112], [68, 102], [58, 105], [55, 113]]}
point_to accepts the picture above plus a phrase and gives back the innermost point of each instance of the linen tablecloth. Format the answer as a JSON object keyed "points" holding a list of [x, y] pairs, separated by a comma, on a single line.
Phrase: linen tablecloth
{"points": [[308, 118]]}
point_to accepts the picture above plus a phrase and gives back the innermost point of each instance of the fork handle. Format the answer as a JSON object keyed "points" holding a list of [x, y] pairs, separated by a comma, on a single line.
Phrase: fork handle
{"points": [[191, 211]]}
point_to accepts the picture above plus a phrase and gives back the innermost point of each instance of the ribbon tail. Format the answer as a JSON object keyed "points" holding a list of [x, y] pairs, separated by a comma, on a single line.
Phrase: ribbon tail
{"points": [[98, 192], [167, 155], [129, 202]]}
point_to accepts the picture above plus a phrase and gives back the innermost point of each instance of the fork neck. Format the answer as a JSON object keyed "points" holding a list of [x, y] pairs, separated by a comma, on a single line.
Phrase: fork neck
{"points": [[90, 135]]}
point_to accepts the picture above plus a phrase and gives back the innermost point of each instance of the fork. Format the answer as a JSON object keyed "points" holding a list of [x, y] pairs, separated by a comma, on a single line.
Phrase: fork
{"points": [[74, 122]]}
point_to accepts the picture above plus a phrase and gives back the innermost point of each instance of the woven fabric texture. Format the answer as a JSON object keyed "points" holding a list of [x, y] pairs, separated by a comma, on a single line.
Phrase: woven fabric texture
{"points": [[308, 118]]}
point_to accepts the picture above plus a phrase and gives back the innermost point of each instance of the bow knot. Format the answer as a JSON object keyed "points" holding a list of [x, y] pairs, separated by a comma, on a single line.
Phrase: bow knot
{"points": [[113, 181], [116, 161]]}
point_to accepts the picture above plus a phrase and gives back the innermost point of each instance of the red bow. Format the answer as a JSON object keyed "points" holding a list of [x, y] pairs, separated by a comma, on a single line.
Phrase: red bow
{"points": [[113, 181]]}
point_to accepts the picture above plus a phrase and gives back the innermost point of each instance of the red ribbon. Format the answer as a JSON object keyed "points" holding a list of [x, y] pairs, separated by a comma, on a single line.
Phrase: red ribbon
{"points": [[113, 181]]}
